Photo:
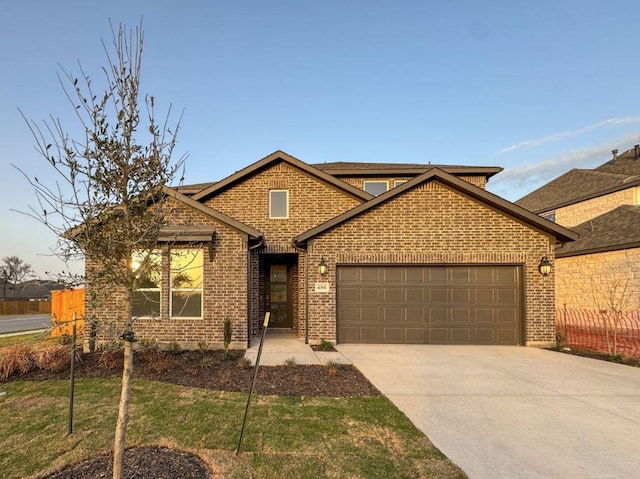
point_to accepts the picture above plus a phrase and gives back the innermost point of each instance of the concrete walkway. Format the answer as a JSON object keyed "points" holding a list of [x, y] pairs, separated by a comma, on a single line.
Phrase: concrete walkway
{"points": [[513, 412], [281, 347]]}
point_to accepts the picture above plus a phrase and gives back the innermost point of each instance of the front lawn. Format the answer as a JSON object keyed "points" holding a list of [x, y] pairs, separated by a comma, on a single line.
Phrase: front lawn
{"points": [[287, 436]]}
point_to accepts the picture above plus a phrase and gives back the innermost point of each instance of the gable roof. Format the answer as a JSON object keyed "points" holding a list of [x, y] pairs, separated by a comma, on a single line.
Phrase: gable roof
{"points": [[274, 158], [435, 174], [583, 184], [348, 168], [228, 220], [617, 229]]}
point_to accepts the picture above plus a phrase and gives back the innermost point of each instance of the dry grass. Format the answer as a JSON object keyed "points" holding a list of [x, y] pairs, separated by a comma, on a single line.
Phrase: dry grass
{"points": [[23, 358]]}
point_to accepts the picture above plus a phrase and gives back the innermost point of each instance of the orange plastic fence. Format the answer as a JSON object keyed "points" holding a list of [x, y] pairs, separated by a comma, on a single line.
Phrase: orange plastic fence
{"points": [[599, 331], [63, 305]]}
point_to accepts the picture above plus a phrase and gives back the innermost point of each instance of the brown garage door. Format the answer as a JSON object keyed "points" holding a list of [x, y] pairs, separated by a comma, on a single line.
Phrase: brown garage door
{"points": [[429, 304]]}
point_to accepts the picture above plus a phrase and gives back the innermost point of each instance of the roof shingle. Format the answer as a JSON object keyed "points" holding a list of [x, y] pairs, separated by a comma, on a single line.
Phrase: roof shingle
{"points": [[614, 230]]}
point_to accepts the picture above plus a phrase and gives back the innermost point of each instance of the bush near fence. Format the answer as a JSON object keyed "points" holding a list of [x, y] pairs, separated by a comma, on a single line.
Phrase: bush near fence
{"points": [[599, 331], [25, 307], [63, 306]]}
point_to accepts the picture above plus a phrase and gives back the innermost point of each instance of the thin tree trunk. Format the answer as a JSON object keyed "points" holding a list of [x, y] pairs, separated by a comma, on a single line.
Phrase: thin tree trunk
{"points": [[123, 411]]}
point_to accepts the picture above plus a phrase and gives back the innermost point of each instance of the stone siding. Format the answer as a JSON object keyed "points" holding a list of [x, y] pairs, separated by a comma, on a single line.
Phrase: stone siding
{"points": [[581, 280], [578, 213]]}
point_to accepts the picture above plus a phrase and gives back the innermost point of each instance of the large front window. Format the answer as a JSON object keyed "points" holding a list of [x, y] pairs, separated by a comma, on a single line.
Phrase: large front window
{"points": [[146, 297], [186, 283]]}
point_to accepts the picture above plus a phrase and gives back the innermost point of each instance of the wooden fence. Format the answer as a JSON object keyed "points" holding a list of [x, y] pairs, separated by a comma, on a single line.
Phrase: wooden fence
{"points": [[25, 307], [64, 304]]}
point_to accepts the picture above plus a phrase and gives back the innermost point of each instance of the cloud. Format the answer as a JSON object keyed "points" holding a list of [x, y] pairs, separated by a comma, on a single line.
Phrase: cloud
{"points": [[515, 182], [566, 134]]}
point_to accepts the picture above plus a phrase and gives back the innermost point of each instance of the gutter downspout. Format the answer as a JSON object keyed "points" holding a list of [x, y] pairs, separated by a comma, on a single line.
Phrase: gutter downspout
{"points": [[249, 271], [306, 293]]}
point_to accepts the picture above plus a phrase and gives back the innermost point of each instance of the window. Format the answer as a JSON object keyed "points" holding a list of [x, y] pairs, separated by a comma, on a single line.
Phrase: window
{"points": [[186, 283], [146, 297], [376, 187], [398, 182], [550, 216], [278, 204]]}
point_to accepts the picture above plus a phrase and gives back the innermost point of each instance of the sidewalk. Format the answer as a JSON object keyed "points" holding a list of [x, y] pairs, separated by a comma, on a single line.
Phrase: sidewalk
{"points": [[280, 347]]}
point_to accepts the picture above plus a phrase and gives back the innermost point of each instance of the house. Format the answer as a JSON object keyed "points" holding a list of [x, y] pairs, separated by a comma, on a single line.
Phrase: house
{"points": [[347, 252], [603, 206], [30, 290]]}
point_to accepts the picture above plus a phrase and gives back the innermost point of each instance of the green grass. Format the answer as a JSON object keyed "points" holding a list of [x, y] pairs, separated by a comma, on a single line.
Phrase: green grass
{"points": [[286, 437]]}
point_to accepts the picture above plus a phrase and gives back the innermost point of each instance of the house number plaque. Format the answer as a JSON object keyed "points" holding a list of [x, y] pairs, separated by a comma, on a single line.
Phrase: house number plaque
{"points": [[322, 287]]}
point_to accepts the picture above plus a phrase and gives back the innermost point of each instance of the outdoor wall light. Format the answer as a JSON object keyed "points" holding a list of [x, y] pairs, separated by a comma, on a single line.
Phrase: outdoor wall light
{"points": [[322, 267], [545, 266]]}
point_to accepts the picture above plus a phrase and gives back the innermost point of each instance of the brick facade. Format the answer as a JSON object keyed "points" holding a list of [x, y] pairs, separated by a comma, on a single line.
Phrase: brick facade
{"points": [[221, 299], [399, 232], [429, 223]]}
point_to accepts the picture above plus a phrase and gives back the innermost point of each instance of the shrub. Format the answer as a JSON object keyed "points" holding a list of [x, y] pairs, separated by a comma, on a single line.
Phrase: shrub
{"points": [[325, 345], [174, 347], [332, 367], [203, 347], [244, 363], [290, 362], [206, 363], [16, 359], [53, 357]]}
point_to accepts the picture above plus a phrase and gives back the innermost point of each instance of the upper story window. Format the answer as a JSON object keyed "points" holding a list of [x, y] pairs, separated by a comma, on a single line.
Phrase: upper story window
{"points": [[550, 216], [146, 297], [398, 182], [376, 187], [278, 204], [186, 283]]}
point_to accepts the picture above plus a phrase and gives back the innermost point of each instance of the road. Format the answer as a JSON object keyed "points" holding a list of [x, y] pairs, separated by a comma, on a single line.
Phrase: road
{"points": [[26, 322]]}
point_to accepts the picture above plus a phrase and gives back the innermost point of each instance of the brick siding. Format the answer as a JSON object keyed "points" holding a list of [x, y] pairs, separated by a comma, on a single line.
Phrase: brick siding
{"points": [[462, 231], [224, 293]]}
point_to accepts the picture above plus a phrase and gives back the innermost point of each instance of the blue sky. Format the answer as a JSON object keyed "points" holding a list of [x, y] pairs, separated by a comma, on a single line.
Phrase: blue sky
{"points": [[537, 88]]}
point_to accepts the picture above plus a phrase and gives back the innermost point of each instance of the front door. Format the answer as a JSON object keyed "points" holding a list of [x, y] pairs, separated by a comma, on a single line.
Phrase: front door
{"points": [[279, 296]]}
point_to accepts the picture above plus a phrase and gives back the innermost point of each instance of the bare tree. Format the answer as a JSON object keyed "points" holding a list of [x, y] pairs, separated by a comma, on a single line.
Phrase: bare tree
{"points": [[14, 271], [107, 202], [613, 298]]}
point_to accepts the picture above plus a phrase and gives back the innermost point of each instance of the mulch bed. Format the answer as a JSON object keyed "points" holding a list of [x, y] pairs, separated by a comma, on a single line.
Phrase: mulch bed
{"points": [[209, 370], [212, 371], [140, 462]]}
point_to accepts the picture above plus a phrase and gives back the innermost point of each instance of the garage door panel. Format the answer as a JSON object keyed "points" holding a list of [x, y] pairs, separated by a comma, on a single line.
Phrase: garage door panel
{"points": [[438, 295], [392, 335], [371, 295], [392, 275], [393, 295], [415, 315], [429, 304], [393, 315]]}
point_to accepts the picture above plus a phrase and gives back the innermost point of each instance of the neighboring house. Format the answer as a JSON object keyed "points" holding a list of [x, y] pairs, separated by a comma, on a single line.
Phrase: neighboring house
{"points": [[433, 258], [603, 206], [35, 289]]}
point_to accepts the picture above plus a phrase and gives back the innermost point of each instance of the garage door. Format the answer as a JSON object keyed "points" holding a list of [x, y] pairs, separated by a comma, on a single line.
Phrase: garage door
{"points": [[429, 304]]}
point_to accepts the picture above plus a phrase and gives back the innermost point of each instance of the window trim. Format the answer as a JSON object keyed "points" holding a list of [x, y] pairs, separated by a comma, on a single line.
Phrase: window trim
{"points": [[286, 205], [172, 289], [386, 183], [158, 253]]}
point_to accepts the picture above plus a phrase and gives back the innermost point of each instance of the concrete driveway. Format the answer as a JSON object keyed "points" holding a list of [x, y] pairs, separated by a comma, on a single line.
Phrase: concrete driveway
{"points": [[513, 412]]}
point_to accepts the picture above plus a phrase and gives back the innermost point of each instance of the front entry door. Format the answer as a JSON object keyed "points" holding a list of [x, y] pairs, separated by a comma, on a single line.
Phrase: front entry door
{"points": [[279, 296]]}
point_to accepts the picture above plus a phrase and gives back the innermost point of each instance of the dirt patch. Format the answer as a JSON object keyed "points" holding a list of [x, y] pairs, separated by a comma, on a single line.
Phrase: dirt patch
{"points": [[140, 462], [613, 358], [211, 370]]}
